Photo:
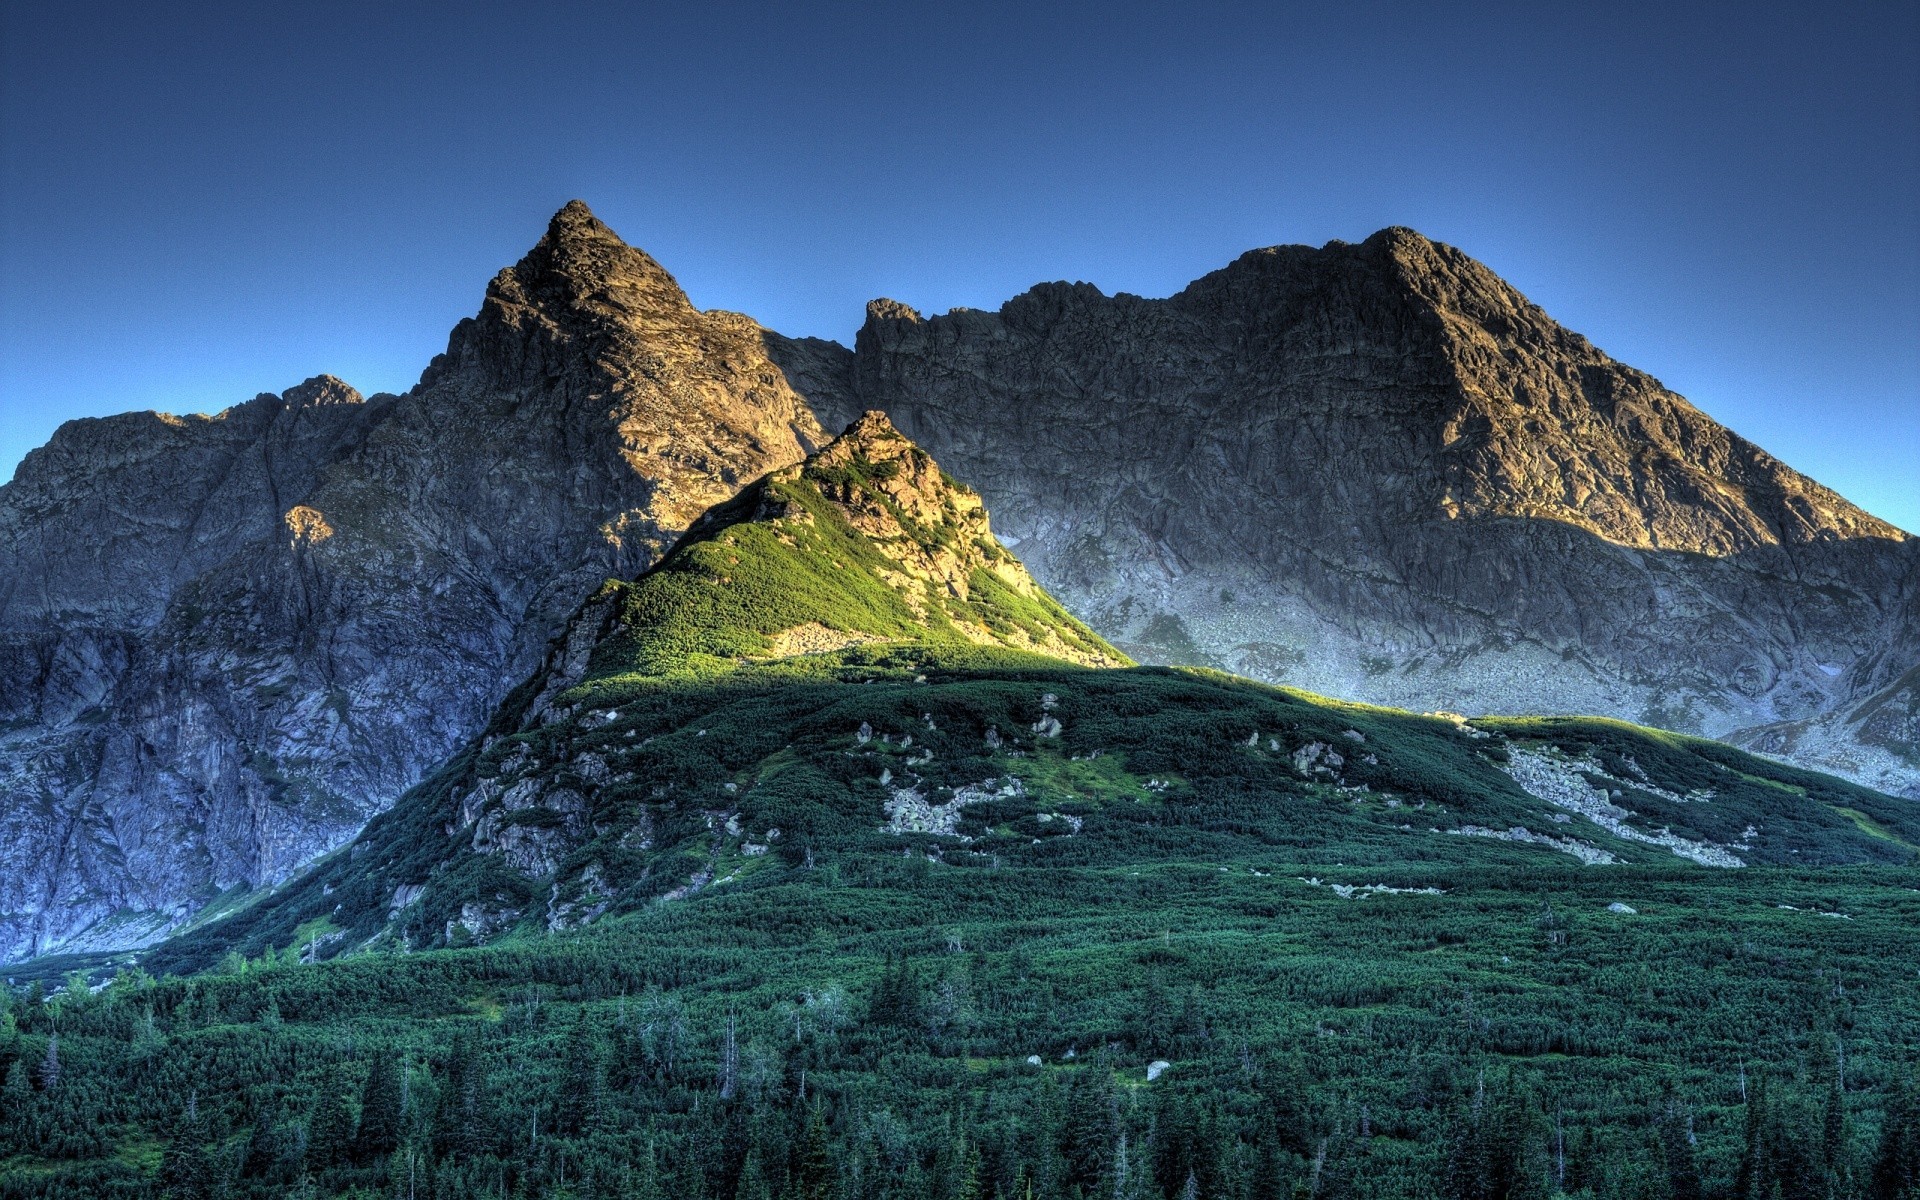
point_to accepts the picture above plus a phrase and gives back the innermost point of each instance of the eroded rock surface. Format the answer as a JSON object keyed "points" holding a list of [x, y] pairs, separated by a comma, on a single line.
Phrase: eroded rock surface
{"points": [[1372, 470], [227, 641], [1377, 471]]}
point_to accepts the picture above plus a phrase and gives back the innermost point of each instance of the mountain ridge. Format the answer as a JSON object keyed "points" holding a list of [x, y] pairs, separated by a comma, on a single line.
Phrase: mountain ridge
{"points": [[1393, 461], [311, 600], [231, 713], [841, 663]]}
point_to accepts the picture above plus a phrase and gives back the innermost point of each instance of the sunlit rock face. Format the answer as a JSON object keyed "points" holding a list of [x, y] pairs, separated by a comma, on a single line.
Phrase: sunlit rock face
{"points": [[1372, 470], [226, 641], [1377, 471]]}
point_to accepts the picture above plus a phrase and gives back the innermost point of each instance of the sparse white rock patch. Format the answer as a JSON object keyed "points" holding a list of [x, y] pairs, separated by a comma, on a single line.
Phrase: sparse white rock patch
{"points": [[1360, 891], [910, 811], [1586, 852], [1562, 783]]}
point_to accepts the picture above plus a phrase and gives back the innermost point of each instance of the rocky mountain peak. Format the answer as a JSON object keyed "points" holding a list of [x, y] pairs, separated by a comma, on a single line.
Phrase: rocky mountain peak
{"points": [[319, 391], [1377, 470], [342, 589], [583, 260], [865, 541], [884, 309], [893, 493]]}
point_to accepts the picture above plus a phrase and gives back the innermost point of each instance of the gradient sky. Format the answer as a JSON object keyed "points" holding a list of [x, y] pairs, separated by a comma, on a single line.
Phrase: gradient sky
{"points": [[202, 202]]}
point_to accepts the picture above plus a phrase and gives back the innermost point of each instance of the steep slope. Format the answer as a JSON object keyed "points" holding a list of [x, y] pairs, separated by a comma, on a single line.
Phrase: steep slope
{"points": [[795, 870], [1378, 471], [225, 642], [843, 663], [1372, 470]]}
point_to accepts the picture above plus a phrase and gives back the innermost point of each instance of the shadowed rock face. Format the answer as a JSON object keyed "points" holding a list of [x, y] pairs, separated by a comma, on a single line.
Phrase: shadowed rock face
{"points": [[1378, 471], [227, 641], [1371, 470]]}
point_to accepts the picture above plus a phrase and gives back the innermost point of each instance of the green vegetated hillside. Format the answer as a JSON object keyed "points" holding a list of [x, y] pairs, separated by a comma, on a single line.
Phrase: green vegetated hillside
{"points": [[833, 858]]}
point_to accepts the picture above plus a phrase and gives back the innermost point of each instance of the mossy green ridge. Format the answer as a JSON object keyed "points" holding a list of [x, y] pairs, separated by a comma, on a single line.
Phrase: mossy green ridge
{"points": [[867, 539], [803, 846]]}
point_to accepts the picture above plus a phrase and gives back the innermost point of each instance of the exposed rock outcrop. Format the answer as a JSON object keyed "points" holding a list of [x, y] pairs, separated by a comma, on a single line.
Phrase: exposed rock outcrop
{"points": [[227, 641], [1372, 470], [1378, 471]]}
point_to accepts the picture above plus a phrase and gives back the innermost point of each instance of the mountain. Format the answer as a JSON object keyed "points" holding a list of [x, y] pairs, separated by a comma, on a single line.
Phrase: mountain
{"points": [[1378, 471], [1374, 471], [843, 662], [831, 856], [227, 641]]}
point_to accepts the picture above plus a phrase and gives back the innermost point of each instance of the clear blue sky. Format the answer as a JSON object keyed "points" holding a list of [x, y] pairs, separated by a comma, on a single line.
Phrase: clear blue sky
{"points": [[200, 202]]}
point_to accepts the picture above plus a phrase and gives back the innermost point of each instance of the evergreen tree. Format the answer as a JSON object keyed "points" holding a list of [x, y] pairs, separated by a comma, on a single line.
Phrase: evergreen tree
{"points": [[1496, 1153], [895, 999], [753, 1183], [1833, 1135], [1676, 1154], [583, 1103], [456, 1117], [969, 1183], [381, 1118], [1896, 1163], [646, 1178], [812, 1177], [330, 1129], [1091, 1127], [1748, 1179], [188, 1167], [274, 1150], [16, 1109]]}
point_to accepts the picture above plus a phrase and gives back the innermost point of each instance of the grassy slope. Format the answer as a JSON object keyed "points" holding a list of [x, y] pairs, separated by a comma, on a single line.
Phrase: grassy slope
{"points": [[1189, 915]]}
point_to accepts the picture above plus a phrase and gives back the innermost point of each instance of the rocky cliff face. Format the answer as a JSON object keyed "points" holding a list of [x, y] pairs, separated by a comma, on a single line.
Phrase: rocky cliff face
{"points": [[839, 664], [1375, 471], [225, 642], [1378, 471]]}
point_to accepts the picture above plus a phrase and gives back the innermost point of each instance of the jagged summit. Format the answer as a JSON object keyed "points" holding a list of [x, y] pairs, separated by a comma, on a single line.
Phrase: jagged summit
{"points": [[1374, 470], [321, 390], [227, 641], [581, 250], [1377, 470]]}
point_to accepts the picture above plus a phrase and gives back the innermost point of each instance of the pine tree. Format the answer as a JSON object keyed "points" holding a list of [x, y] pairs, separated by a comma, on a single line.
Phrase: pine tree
{"points": [[188, 1167], [273, 1151], [894, 1000], [329, 1129], [753, 1183], [16, 1109], [1747, 1181], [1833, 1130], [1496, 1152], [1896, 1163], [381, 1115], [583, 1105], [968, 1184], [1676, 1151], [1088, 1134], [646, 1179], [812, 1177], [456, 1119]]}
